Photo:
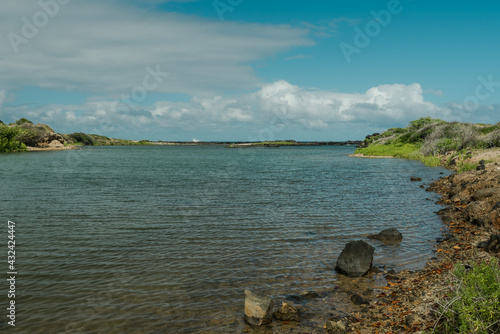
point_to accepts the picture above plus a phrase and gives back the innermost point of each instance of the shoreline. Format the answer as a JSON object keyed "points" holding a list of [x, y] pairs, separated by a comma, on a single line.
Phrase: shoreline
{"points": [[360, 155], [409, 302]]}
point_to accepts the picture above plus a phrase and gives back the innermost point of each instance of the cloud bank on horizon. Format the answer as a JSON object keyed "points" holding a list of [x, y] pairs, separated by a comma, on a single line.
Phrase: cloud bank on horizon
{"points": [[124, 70]]}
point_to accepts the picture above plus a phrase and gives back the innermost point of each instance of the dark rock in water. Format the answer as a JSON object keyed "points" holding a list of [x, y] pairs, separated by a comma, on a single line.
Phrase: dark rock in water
{"points": [[258, 309], [444, 211], [358, 300], [415, 179], [356, 259], [303, 297], [492, 245], [287, 312], [422, 186], [440, 240], [333, 327], [309, 295], [388, 235]]}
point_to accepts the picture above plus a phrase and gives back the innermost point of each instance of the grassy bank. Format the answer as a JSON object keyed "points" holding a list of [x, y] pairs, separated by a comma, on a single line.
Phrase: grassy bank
{"points": [[434, 142]]}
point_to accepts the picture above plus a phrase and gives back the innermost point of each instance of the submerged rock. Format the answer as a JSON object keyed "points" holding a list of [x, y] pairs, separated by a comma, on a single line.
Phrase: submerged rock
{"points": [[415, 179], [356, 259], [358, 300], [287, 312], [258, 309], [388, 235]]}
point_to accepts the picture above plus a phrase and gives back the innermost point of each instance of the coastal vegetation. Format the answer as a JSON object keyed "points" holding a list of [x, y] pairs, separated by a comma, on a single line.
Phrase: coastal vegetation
{"points": [[434, 142], [473, 306], [84, 139], [9, 139], [20, 135]]}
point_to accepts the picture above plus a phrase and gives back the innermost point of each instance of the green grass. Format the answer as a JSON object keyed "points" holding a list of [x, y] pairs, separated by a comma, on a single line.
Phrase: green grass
{"points": [[464, 167], [399, 150], [474, 303]]}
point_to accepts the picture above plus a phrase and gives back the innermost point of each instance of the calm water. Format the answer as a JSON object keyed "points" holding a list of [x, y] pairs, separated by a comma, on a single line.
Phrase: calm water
{"points": [[165, 239]]}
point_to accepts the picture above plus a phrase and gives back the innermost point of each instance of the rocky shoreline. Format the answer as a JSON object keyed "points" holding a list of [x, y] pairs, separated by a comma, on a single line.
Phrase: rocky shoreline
{"points": [[409, 302]]}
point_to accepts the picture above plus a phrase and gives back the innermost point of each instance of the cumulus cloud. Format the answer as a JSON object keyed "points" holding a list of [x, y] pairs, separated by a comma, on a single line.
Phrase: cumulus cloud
{"points": [[104, 47], [279, 106]]}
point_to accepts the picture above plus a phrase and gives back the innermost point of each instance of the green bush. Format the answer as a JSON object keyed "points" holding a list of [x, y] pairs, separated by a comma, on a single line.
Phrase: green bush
{"points": [[474, 304], [22, 121], [9, 141], [83, 138]]}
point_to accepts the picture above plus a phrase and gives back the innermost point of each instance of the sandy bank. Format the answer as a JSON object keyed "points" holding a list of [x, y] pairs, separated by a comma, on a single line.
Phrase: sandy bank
{"points": [[54, 145], [359, 155]]}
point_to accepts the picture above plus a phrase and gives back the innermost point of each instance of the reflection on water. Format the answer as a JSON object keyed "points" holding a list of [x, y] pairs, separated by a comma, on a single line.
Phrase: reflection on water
{"points": [[166, 239]]}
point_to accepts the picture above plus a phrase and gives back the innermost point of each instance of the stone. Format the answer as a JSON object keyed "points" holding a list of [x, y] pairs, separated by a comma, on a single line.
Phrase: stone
{"points": [[413, 320], [333, 327], [415, 179], [358, 300], [258, 309], [356, 259], [388, 235], [287, 312], [485, 193], [492, 245]]}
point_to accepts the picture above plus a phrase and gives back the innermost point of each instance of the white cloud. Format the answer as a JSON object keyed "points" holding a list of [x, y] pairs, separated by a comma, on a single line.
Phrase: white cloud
{"points": [[280, 106], [104, 48]]}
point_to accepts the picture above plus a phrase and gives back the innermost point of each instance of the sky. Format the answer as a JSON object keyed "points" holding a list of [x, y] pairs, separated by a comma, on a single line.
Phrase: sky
{"points": [[241, 70]]}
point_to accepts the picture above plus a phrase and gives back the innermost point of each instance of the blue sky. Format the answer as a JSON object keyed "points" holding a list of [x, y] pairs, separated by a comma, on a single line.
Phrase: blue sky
{"points": [[247, 70]]}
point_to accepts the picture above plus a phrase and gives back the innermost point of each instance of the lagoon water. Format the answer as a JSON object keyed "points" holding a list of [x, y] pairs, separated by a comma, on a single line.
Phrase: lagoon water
{"points": [[164, 239]]}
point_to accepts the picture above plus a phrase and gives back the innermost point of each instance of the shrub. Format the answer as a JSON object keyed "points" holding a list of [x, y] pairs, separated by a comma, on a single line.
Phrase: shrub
{"points": [[22, 121], [83, 138], [8, 141], [490, 129], [474, 305], [30, 134], [493, 139]]}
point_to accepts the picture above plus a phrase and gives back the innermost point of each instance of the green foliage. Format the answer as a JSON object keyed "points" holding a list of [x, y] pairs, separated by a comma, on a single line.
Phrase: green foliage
{"points": [[30, 134], [9, 141], [22, 121], [488, 129], [474, 305], [464, 167], [83, 138]]}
